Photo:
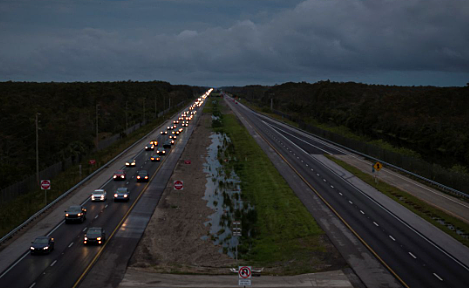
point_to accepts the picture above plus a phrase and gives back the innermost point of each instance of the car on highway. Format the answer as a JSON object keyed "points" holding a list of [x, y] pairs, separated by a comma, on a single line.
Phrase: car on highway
{"points": [[42, 244], [99, 195], [142, 175], [172, 142], [162, 151], [94, 235], [169, 128], [149, 147], [75, 213], [119, 175], [130, 163], [176, 132], [164, 132], [181, 129], [176, 122], [122, 193], [167, 144], [154, 142], [155, 157]]}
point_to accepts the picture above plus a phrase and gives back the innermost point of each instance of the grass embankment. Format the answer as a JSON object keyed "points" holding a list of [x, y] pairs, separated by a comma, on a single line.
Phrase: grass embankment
{"points": [[20, 209], [414, 204], [284, 233]]}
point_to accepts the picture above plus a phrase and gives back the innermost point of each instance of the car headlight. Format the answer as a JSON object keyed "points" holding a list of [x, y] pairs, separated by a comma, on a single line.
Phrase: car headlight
{"points": [[138, 177], [127, 163], [45, 248], [66, 214], [79, 214], [114, 176], [125, 195], [146, 177], [133, 164], [86, 238], [99, 238], [32, 248], [122, 176], [115, 195]]}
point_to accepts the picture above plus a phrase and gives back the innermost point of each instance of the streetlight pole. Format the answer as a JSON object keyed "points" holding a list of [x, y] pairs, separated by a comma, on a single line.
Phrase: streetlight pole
{"points": [[37, 147]]}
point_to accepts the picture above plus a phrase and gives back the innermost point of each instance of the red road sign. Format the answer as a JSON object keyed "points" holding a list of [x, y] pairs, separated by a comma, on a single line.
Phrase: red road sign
{"points": [[178, 185], [244, 272], [45, 184], [92, 162]]}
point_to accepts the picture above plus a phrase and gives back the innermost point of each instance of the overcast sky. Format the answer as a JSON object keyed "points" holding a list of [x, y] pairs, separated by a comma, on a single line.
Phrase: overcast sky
{"points": [[236, 42]]}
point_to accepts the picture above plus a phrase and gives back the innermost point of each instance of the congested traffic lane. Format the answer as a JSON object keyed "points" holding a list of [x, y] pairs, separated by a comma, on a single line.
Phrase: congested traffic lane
{"points": [[66, 263], [413, 259]]}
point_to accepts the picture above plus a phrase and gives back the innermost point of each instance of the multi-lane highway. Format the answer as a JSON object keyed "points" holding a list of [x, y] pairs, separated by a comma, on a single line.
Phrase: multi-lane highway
{"points": [[64, 266], [414, 259]]}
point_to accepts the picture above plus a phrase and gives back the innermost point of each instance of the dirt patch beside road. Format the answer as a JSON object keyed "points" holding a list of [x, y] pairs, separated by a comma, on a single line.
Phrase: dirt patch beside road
{"points": [[172, 241]]}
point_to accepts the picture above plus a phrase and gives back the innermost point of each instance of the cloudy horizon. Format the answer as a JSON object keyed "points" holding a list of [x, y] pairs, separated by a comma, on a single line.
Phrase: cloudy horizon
{"points": [[224, 43]]}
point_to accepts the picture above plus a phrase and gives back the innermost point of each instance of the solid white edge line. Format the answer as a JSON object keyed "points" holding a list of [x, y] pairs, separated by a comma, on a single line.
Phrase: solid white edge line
{"points": [[413, 256], [53, 263], [71, 244], [16, 263], [436, 275], [32, 285], [392, 238], [376, 224]]}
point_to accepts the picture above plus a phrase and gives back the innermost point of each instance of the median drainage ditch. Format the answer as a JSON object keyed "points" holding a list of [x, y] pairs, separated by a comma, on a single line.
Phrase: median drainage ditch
{"points": [[223, 195]]}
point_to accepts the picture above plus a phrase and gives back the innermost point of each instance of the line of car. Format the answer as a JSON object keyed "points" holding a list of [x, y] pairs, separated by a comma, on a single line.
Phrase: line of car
{"points": [[77, 213]]}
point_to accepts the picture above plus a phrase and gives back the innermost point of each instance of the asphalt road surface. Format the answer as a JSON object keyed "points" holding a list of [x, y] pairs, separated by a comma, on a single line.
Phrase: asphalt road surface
{"points": [[71, 259], [415, 260]]}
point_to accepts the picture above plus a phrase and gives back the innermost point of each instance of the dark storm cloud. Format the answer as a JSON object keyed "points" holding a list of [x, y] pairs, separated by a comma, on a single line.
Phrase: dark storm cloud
{"points": [[367, 41]]}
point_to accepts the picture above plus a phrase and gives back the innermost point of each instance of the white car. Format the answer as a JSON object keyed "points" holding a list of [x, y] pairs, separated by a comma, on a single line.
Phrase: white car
{"points": [[99, 195]]}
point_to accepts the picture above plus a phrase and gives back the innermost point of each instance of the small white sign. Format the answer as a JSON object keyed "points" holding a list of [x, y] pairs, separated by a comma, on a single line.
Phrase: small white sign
{"points": [[244, 282]]}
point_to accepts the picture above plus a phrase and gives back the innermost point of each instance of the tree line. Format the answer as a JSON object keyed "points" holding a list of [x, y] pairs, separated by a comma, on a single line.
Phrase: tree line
{"points": [[432, 121], [67, 114]]}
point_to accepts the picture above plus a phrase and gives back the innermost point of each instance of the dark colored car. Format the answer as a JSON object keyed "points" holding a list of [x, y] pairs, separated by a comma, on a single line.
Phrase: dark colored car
{"points": [[149, 147], [142, 175], [162, 151], [155, 157], [131, 163], [164, 132], [122, 193], [42, 244], [95, 235], [75, 213], [119, 175], [154, 142], [167, 144]]}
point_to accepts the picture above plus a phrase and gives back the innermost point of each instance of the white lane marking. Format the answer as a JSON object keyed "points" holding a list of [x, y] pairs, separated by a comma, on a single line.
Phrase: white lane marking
{"points": [[106, 206], [413, 256], [53, 263], [392, 238], [393, 215], [85, 229], [350, 202], [340, 194], [307, 165], [439, 278], [376, 224], [56, 227], [317, 174], [71, 244], [312, 169], [96, 216], [324, 180], [362, 212], [332, 187], [16, 263], [32, 285]]}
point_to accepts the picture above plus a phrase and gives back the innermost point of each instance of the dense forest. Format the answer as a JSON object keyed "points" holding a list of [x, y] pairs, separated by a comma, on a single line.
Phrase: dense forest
{"points": [[433, 121], [67, 114]]}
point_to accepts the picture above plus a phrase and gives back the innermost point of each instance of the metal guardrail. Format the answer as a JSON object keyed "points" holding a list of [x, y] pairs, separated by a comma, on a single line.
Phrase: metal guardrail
{"points": [[30, 219], [439, 185]]}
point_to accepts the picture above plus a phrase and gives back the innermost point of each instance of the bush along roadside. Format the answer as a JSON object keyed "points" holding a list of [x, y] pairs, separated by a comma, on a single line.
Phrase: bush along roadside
{"points": [[278, 232], [20, 209]]}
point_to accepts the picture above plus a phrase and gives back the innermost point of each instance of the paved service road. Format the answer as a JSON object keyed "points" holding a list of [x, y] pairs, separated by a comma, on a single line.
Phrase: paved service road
{"points": [[414, 259]]}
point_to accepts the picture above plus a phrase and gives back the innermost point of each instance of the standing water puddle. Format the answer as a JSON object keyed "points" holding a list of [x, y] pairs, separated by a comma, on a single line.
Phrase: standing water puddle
{"points": [[223, 194]]}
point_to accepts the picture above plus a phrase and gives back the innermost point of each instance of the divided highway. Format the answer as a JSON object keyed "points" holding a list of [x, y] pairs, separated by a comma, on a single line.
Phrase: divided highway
{"points": [[70, 258], [415, 260]]}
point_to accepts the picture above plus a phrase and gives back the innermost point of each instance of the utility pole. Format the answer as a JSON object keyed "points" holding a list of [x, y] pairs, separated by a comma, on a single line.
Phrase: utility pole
{"points": [[126, 122], [156, 113], [143, 111], [97, 130], [37, 147]]}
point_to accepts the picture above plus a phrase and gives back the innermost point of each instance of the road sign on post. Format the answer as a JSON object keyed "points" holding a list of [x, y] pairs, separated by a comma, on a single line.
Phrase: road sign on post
{"points": [[378, 166], [45, 184], [244, 272], [178, 185]]}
